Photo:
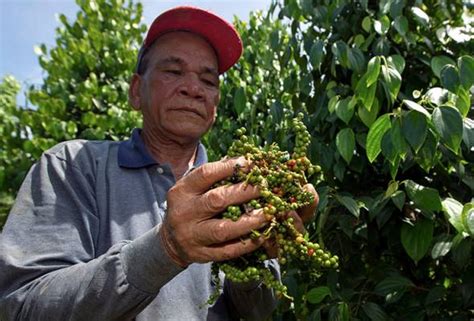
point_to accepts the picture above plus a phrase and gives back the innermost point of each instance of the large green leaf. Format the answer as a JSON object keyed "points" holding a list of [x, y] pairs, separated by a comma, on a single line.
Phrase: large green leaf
{"points": [[350, 204], [438, 62], [396, 62], [453, 211], [414, 106], [374, 312], [375, 135], [448, 123], [373, 70], [317, 295], [398, 140], [450, 78], [468, 133], [393, 284], [468, 218], [368, 116], [240, 100], [442, 247], [388, 149], [425, 198], [392, 80], [316, 54], [345, 109], [345, 142], [466, 71], [414, 128], [416, 239], [427, 156]]}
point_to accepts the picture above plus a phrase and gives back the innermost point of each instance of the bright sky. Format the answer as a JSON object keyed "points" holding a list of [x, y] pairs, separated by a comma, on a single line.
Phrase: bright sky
{"points": [[26, 23]]}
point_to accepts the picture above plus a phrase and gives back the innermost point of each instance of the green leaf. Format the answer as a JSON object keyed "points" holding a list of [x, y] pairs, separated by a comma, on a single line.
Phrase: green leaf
{"points": [[374, 312], [436, 294], [425, 198], [453, 211], [368, 116], [356, 59], [276, 110], [391, 189], [316, 54], [427, 156], [396, 62], [463, 101], [332, 103], [416, 239], [414, 106], [448, 123], [373, 70], [466, 71], [388, 149], [375, 135], [240, 101], [421, 16], [345, 142], [438, 62], [393, 284], [317, 295], [441, 247], [450, 78], [398, 140], [343, 312], [468, 217], [366, 94], [382, 26], [350, 204], [468, 133], [367, 24], [401, 25], [437, 96], [415, 129], [398, 198], [344, 109], [392, 80]]}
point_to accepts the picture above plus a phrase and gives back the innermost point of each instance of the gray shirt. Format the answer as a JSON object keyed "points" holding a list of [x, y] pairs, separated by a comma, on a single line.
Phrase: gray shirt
{"points": [[81, 244]]}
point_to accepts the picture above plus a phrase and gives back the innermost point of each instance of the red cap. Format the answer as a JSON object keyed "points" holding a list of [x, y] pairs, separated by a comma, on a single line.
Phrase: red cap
{"points": [[220, 34]]}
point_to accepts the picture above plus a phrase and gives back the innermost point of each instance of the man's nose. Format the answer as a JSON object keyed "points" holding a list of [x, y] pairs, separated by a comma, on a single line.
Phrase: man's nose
{"points": [[191, 86]]}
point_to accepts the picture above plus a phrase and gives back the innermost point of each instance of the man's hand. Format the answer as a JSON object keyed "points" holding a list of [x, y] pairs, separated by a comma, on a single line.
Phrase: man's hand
{"points": [[191, 233]]}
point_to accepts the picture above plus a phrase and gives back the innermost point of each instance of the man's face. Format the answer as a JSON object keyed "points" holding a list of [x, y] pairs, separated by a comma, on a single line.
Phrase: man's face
{"points": [[179, 90]]}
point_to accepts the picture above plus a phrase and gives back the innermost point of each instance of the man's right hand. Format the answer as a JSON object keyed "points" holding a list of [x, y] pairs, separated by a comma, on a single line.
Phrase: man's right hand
{"points": [[192, 233]]}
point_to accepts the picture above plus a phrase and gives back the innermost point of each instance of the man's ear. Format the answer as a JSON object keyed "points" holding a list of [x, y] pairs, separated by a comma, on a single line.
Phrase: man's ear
{"points": [[134, 91]]}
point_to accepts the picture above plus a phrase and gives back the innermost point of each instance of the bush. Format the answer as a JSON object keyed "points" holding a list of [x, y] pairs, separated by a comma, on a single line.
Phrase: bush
{"points": [[386, 89]]}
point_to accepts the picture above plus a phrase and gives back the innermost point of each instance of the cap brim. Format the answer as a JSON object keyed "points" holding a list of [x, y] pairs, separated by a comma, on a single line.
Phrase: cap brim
{"points": [[220, 34]]}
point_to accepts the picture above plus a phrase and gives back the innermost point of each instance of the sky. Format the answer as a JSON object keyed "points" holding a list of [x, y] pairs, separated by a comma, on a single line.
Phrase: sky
{"points": [[27, 23]]}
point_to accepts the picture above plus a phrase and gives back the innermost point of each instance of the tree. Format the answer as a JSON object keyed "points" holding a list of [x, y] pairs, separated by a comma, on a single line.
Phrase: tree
{"points": [[13, 161], [387, 90], [84, 93], [85, 90]]}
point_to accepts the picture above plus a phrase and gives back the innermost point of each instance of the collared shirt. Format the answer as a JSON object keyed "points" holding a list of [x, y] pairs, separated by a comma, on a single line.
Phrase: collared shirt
{"points": [[81, 243]]}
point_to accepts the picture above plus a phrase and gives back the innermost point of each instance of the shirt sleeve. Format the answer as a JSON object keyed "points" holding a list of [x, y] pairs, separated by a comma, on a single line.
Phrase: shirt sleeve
{"points": [[252, 301], [49, 268]]}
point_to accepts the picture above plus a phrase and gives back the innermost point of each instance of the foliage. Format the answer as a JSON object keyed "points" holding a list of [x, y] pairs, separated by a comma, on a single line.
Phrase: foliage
{"points": [[85, 91], [387, 89], [13, 161]]}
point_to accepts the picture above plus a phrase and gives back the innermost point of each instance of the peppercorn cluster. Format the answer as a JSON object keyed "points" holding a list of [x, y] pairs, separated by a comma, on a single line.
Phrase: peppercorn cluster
{"points": [[281, 178]]}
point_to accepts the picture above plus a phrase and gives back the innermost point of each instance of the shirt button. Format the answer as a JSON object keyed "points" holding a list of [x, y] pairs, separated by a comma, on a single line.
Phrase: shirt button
{"points": [[160, 170]]}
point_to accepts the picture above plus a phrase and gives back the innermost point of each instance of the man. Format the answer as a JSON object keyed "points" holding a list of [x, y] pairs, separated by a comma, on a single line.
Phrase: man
{"points": [[122, 231]]}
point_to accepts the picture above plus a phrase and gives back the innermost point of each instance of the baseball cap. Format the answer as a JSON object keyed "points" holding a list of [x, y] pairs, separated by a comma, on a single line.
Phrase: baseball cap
{"points": [[220, 34]]}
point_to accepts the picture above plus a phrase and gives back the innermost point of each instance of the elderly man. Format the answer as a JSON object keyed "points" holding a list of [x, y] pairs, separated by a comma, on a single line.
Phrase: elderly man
{"points": [[126, 230]]}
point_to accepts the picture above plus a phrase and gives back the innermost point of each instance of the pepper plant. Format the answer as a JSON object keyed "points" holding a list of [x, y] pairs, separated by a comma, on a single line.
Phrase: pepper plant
{"points": [[386, 87]]}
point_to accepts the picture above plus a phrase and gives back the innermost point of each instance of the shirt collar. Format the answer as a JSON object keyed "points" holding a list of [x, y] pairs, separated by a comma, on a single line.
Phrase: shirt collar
{"points": [[133, 153]]}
